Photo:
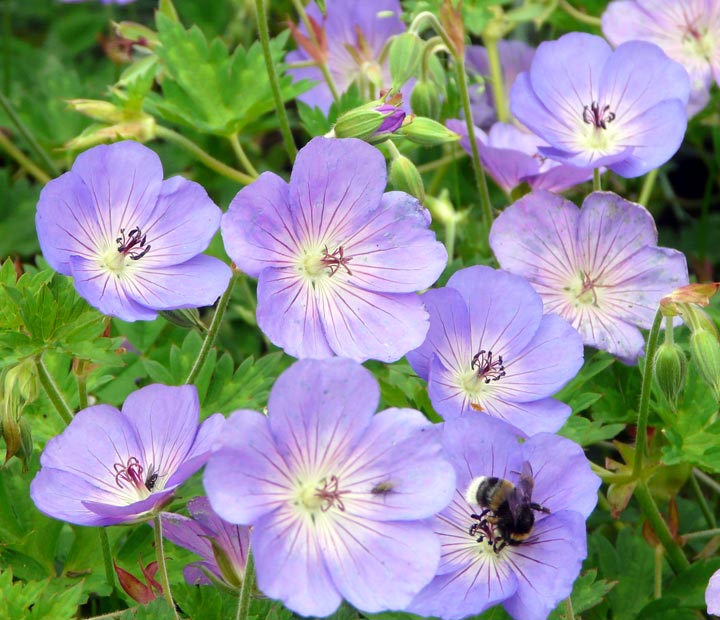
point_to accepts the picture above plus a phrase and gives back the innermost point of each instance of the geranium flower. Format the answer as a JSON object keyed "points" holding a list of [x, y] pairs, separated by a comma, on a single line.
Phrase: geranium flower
{"points": [[515, 57], [490, 349], [337, 261], [222, 546], [338, 498], [595, 107], [109, 466], [131, 241], [351, 39], [599, 267], [530, 577], [686, 30], [712, 594], [512, 156]]}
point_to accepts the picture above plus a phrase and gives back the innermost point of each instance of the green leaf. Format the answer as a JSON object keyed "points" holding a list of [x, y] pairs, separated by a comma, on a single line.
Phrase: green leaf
{"points": [[587, 432], [204, 603], [588, 591], [38, 600]]}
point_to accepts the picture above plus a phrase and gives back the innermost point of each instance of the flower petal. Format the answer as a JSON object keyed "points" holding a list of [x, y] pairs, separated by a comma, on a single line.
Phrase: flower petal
{"points": [[546, 415], [206, 440], [257, 229], [187, 533], [395, 251]]}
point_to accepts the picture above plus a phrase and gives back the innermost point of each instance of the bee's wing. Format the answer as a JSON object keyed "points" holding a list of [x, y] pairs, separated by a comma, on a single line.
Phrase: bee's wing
{"points": [[522, 493]]}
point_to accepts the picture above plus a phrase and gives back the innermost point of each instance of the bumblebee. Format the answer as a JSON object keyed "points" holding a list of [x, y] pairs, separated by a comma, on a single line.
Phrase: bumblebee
{"points": [[508, 512]]}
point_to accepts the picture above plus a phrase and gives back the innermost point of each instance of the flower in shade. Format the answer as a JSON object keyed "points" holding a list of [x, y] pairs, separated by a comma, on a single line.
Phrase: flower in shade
{"points": [[131, 241], [109, 467], [531, 577], [712, 594], [490, 349], [338, 498], [350, 38], [515, 57], [221, 545], [595, 107], [599, 267], [337, 260], [511, 156], [687, 31]]}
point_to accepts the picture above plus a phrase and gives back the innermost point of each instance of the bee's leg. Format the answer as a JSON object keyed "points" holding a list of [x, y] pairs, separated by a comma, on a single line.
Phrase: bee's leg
{"points": [[499, 545], [539, 508]]}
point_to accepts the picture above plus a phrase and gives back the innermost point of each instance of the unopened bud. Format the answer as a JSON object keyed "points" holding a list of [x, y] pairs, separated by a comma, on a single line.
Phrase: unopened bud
{"points": [[369, 121], [441, 209], [670, 371], [427, 132], [404, 176], [705, 350], [142, 130], [452, 21], [425, 99], [103, 111], [137, 33], [226, 566], [405, 55], [12, 434], [26, 441], [23, 378], [184, 317]]}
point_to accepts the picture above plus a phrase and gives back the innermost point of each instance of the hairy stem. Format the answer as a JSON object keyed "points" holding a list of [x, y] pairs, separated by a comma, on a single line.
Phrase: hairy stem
{"points": [[647, 187], [53, 392], [162, 566], [569, 613], [248, 586], [274, 83], [496, 77], [242, 157], [579, 15], [107, 557], [597, 184]]}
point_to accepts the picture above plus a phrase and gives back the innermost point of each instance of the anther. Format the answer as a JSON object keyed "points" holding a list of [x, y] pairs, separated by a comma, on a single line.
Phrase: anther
{"points": [[593, 114], [486, 367], [133, 245], [336, 260]]}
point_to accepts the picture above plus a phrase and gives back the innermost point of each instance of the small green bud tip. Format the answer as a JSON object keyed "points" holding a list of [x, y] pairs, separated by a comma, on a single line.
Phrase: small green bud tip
{"points": [[425, 99], [670, 371], [405, 56], [404, 176], [705, 350], [427, 132]]}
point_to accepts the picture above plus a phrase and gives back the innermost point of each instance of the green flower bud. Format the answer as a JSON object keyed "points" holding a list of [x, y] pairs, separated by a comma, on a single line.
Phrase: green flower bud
{"points": [[427, 132], [185, 317], [425, 99], [404, 176], [405, 55], [102, 111], [670, 371], [12, 434], [705, 350], [26, 441], [359, 123]]}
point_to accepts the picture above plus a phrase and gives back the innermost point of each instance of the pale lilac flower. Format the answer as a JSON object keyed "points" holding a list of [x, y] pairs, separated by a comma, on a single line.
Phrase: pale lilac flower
{"points": [[221, 545], [528, 578], [491, 351], [394, 119], [131, 241], [599, 267], [337, 260], [109, 466], [353, 39], [515, 57], [687, 30], [338, 497], [595, 107], [712, 594], [512, 156]]}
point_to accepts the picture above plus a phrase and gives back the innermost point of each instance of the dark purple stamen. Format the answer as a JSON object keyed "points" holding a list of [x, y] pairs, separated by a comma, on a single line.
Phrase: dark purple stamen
{"points": [[600, 117], [133, 245], [330, 494], [487, 368], [336, 260], [132, 473]]}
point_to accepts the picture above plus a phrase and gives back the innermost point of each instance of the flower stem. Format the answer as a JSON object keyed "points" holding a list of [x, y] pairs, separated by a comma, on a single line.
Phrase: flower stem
{"points": [[659, 553], [39, 151], [162, 566], [676, 558], [107, 557], [647, 187], [701, 534], [248, 586], [52, 390], [23, 160], [579, 15], [709, 516], [644, 408], [597, 185], [212, 331], [569, 613], [707, 480], [242, 157], [203, 156], [272, 76], [496, 77]]}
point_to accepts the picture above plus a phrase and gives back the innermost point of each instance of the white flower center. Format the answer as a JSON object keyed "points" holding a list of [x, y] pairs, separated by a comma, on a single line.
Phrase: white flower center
{"points": [[319, 495], [583, 291]]}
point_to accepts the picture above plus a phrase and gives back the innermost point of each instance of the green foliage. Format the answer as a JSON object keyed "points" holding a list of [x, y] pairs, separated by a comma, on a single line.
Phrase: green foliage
{"points": [[37, 600], [588, 592], [17, 227]]}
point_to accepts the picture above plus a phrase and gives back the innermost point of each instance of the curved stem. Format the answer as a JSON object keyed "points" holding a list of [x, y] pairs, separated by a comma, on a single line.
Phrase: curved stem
{"points": [[597, 184], [644, 408], [274, 84], [676, 558], [23, 160], [701, 534], [162, 566], [242, 157], [203, 156], [647, 187], [81, 377], [107, 557], [579, 15], [248, 585], [707, 480], [212, 331], [52, 390], [707, 513], [569, 613], [496, 76]]}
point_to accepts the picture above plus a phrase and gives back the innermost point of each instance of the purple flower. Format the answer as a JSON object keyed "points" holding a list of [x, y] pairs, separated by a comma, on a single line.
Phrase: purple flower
{"points": [[131, 241], [394, 119], [712, 594], [338, 498], [529, 577], [490, 349], [221, 545], [109, 466], [337, 261], [686, 30], [353, 36], [595, 107], [599, 267], [512, 156], [515, 57]]}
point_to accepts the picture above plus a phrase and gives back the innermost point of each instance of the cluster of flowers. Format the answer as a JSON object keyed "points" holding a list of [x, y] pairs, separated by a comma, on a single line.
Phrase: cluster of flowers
{"points": [[335, 500]]}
